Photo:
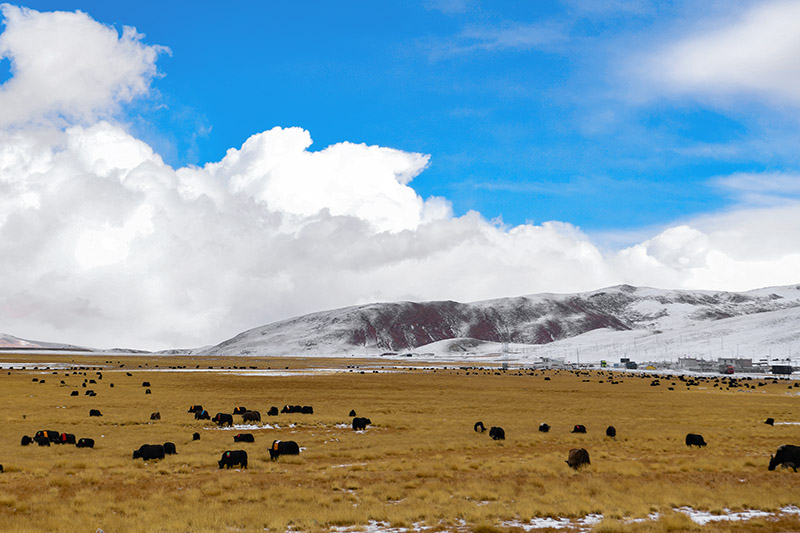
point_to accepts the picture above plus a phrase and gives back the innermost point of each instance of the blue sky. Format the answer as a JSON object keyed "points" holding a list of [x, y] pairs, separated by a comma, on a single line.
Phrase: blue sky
{"points": [[524, 107], [160, 189]]}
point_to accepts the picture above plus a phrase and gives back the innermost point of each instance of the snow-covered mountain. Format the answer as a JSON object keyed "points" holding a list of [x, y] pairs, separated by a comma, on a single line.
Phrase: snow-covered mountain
{"points": [[11, 342], [543, 324]]}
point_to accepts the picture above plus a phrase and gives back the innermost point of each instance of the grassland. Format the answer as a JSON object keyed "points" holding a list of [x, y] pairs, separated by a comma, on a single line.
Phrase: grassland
{"points": [[419, 463]]}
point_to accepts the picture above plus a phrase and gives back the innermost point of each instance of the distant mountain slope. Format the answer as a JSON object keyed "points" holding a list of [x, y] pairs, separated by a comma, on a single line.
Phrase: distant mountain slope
{"points": [[9, 342], [536, 319]]}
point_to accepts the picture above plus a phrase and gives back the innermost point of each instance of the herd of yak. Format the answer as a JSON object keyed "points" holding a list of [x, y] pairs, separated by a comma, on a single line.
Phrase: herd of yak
{"points": [[230, 458], [787, 456]]}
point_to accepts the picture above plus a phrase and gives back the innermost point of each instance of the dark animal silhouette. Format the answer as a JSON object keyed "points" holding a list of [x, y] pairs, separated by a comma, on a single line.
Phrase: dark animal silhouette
{"points": [[67, 438], [251, 416], [479, 427], [544, 428], [497, 433], [787, 456], [202, 415], [693, 439], [85, 443], [352, 413], [233, 458], [50, 435], [769, 421], [26, 439], [577, 458], [611, 431], [244, 437], [579, 429], [239, 410], [195, 408], [169, 448], [149, 451], [223, 418], [155, 416], [273, 411], [95, 412], [361, 423], [195, 436], [280, 447]]}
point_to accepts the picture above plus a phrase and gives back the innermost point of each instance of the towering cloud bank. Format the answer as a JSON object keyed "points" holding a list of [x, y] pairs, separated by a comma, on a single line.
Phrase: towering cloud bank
{"points": [[103, 244]]}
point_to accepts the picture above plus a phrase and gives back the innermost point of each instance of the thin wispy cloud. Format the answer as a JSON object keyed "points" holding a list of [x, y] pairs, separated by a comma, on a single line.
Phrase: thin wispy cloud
{"points": [[545, 36], [752, 53]]}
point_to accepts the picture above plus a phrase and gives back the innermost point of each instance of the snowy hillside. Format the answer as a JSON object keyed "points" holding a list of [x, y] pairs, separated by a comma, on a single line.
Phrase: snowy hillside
{"points": [[11, 342], [601, 324]]}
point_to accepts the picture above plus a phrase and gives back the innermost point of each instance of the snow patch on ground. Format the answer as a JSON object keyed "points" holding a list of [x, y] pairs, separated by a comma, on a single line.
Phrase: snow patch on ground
{"points": [[584, 524], [241, 427], [704, 517]]}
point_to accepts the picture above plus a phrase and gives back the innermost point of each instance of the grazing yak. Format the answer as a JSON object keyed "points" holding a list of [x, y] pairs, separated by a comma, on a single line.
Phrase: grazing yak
{"points": [[42, 441], [352, 413], [74, 393], [361, 423], [169, 448], [223, 418], [251, 416], [244, 437], [611, 431], [26, 439], [769, 421], [577, 458], [149, 451], [145, 383], [280, 447], [202, 415], [85, 443], [579, 429], [787, 456], [497, 433], [95, 412], [67, 438], [695, 440], [195, 408], [195, 436], [303, 409], [147, 391], [155, 416], [273, 411], [49, 435], [239, 410], [544, 428], [233, 458], [479, 427]]}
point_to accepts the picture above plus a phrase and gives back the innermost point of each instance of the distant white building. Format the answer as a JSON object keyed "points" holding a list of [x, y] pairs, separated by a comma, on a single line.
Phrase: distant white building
{"points": [[693, 364], [739, 365]]}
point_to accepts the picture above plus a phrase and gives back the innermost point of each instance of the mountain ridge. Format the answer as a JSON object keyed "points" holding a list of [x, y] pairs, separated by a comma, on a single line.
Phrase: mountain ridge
{"points": [[537, 319]]}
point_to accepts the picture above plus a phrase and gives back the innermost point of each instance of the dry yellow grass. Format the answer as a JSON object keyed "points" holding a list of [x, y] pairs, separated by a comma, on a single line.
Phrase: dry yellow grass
{"points": [[420, 461]]}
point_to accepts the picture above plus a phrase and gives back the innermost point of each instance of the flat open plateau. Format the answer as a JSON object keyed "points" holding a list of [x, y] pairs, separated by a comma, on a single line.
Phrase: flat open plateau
{"points": [[419, 465]]}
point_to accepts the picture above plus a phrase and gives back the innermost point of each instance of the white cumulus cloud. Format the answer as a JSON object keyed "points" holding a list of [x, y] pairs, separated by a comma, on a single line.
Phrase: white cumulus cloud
{"points": [[66, 64]]}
